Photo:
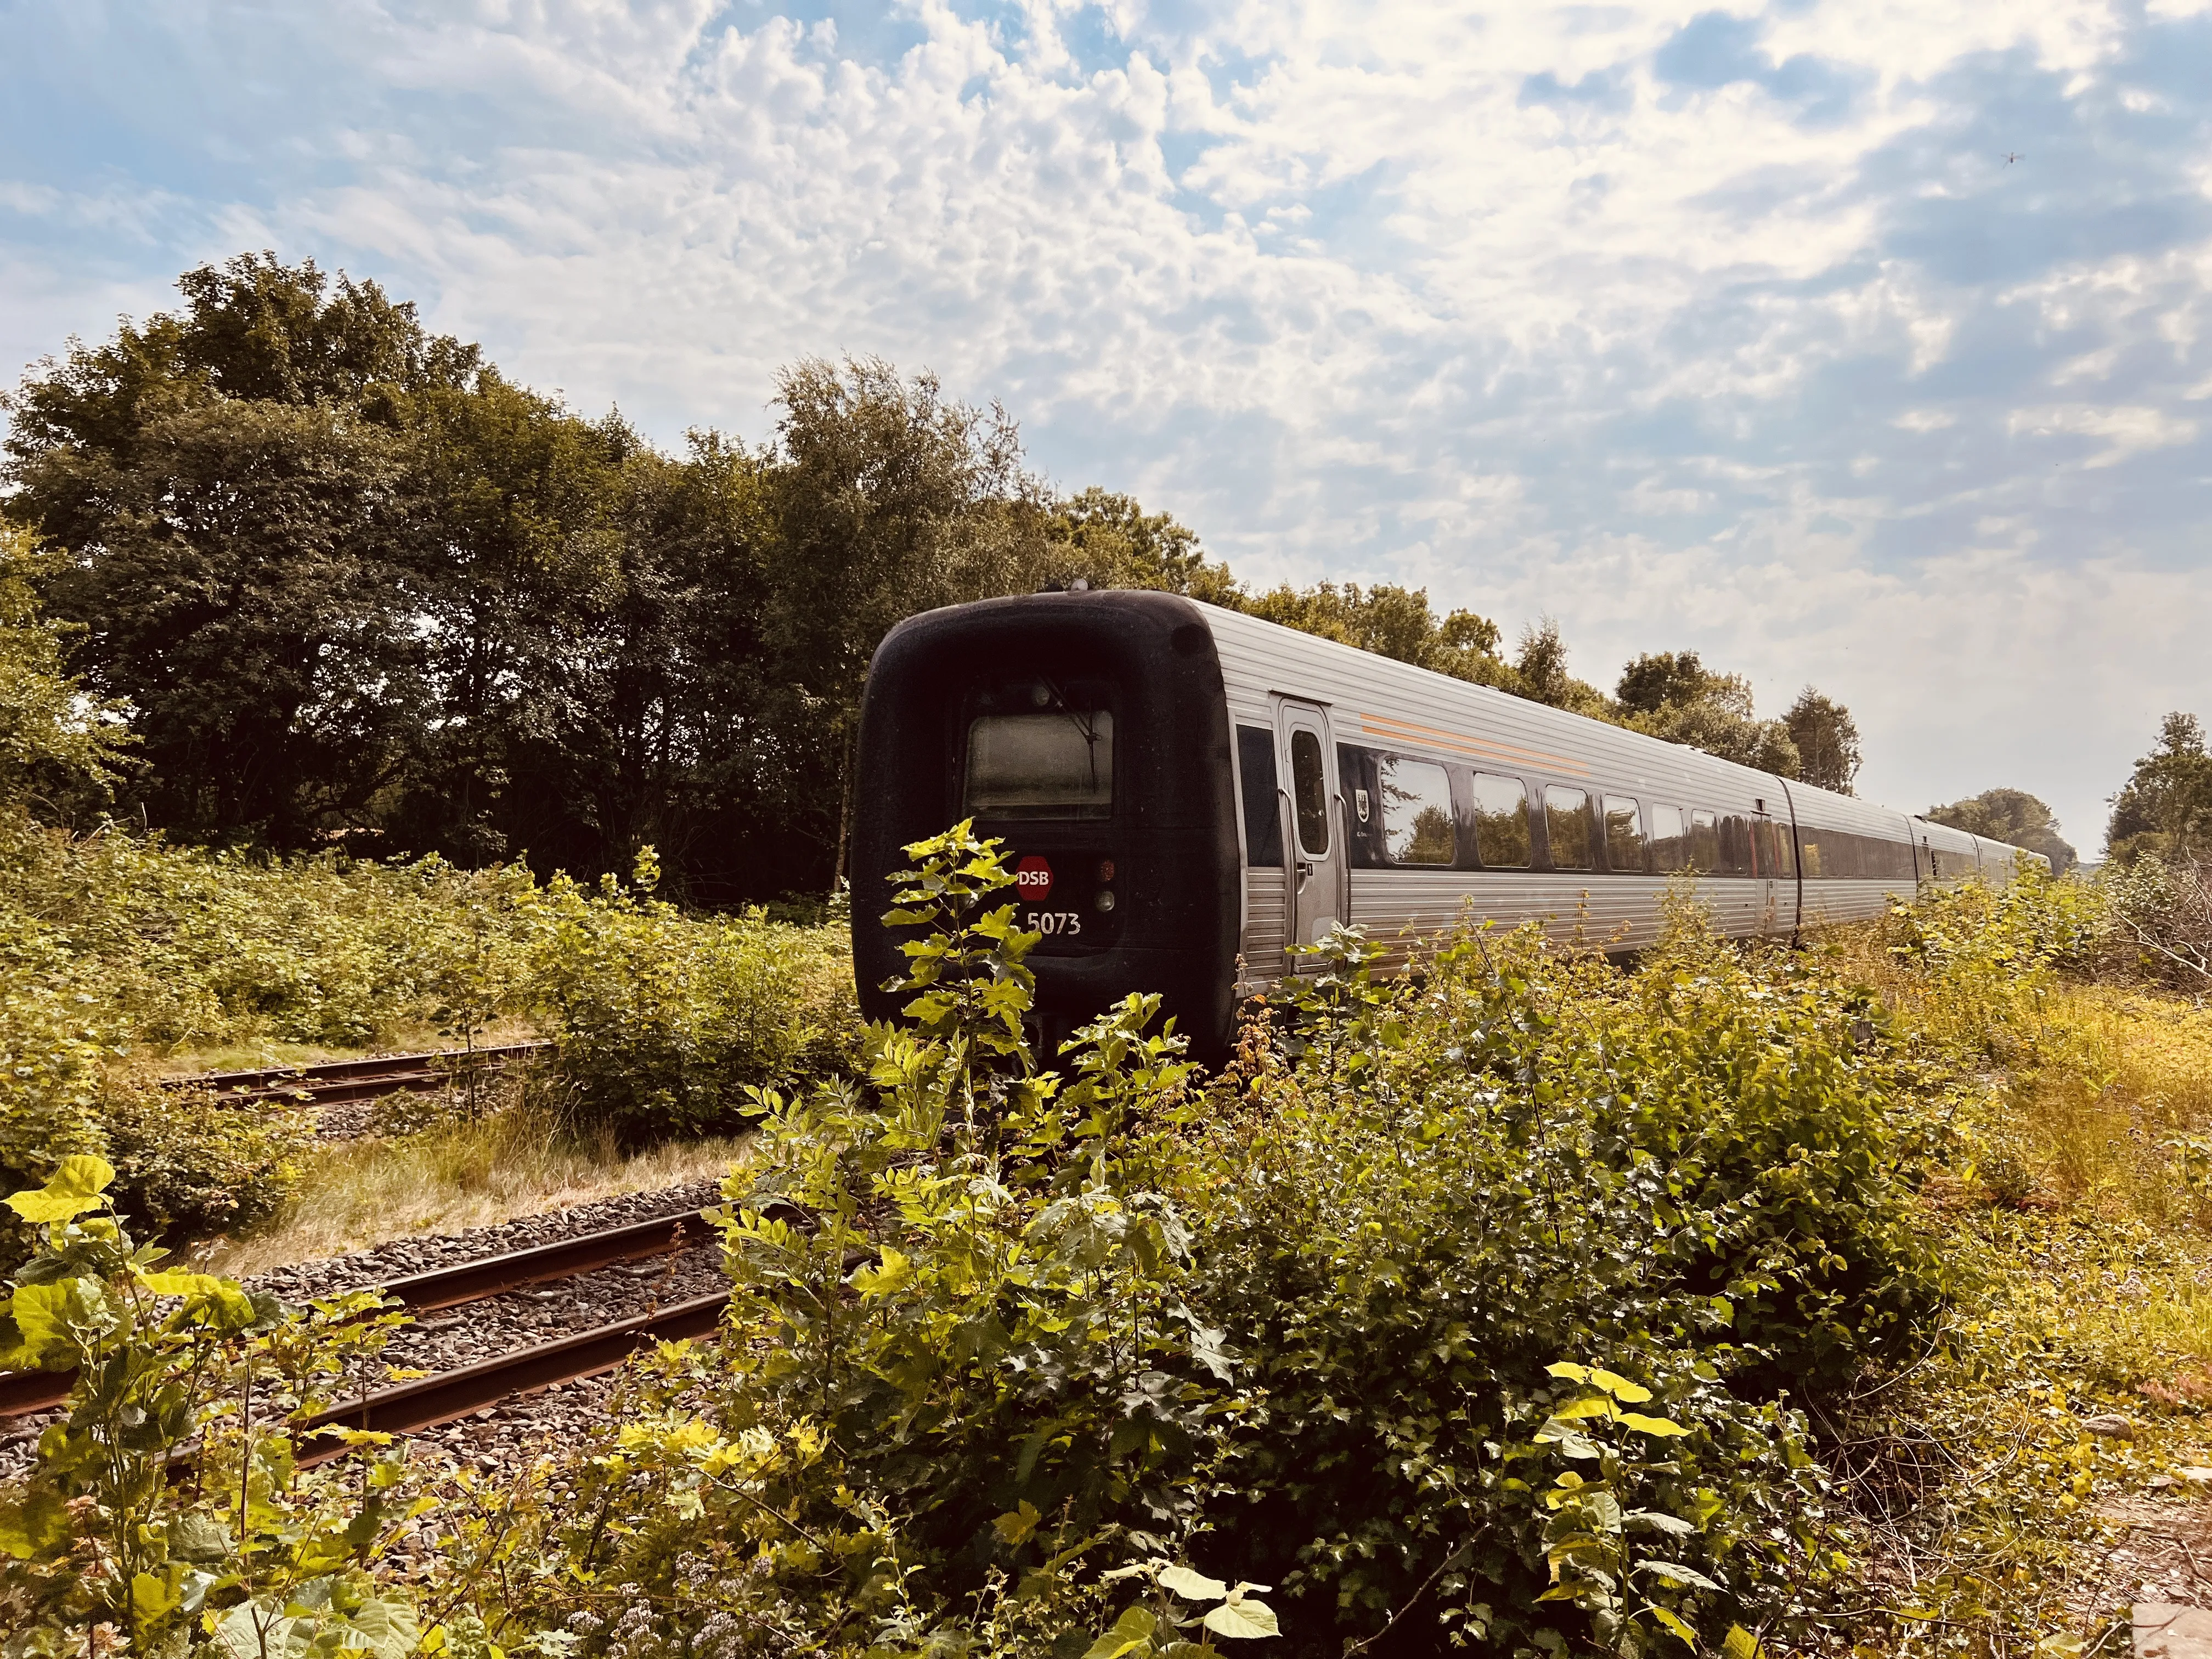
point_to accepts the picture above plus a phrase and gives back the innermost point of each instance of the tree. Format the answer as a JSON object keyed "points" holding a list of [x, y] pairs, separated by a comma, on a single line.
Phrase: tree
{"points": [[1658, 677], [2011, 816], [240, 593], [1390, 620], [60, 747], [2165, 808], [223, 487], [1111, 541], [1673, 694], [1828, 740]]}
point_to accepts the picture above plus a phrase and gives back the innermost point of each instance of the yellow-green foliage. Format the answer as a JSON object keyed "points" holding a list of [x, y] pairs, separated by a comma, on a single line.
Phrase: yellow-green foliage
{"points": [[116, 951], [665, 1020]]}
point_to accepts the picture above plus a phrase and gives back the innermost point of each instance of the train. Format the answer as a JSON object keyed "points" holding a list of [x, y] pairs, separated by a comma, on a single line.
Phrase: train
{"points": [[1188, 793]]}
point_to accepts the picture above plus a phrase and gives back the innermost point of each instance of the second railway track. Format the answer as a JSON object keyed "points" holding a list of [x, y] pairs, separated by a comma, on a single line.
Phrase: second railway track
{"points": [[337, 1082]]}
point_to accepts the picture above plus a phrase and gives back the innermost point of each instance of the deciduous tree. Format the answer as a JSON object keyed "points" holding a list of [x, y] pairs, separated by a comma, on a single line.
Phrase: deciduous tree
{"points": [[2011, 816]]}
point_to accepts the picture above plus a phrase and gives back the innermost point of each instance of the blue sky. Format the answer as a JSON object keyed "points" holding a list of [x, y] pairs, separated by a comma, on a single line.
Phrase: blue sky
{"points": [[1735, 330]]}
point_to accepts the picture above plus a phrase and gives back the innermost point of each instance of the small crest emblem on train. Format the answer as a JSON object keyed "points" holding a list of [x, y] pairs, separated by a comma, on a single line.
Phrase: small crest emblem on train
{"points": [[1360, 797], [1033, 879]]}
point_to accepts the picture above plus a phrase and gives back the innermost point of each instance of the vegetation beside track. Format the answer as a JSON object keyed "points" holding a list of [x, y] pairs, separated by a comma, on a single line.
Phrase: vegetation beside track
{"points": [[125, 958], [1751, 1296]]}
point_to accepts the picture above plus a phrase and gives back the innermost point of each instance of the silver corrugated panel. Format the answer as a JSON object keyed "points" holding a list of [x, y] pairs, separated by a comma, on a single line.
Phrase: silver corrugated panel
{"points": [[1264, 894], [1376, 703]]}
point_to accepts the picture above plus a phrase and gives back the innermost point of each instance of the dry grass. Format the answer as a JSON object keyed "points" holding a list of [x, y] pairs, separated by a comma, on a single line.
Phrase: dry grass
{"points": [[355, 1194], [2110, 1102]]}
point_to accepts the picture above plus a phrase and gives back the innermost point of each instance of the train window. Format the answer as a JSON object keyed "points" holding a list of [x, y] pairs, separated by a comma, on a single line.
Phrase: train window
{"points": [[1669, 849], [1309, 793], [1705, 843], [1808, 855], [1624, 835], [1263, 812], [1770, 849], [1735, 844], [1567, 826], [1417, 811], [1054, 765], [1501, 822]]}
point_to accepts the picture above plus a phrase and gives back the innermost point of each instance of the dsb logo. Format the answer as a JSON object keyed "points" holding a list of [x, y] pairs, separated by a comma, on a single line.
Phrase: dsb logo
{"points": [[1033, 879]]}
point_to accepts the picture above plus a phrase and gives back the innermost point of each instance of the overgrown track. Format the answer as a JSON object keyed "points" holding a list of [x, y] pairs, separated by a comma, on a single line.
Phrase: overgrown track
{"points": [[476, 1281], [429, 1401], [342, 1080]]}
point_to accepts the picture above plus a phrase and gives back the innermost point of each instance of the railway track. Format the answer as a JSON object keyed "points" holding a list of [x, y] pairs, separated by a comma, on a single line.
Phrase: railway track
{"points": [[443, 1398], [342, 1080]]}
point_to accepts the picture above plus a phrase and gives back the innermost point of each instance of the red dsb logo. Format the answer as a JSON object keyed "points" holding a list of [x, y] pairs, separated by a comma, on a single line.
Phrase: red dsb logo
{"points": [[1033, 879]]}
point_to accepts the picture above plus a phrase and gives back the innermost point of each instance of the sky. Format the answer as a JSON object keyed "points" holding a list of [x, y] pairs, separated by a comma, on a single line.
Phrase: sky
{"points": [[1866, 346]]}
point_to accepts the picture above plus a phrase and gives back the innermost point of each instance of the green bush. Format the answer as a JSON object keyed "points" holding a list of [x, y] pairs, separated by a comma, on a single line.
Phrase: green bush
{"points": [[189, 1167], [665, 1021], [190, 947], [1416, 1217], [1453, 1311], [113, 946]]}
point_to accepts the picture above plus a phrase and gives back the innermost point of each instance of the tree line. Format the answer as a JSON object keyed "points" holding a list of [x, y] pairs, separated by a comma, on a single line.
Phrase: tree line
{"points": [[353, 588]]}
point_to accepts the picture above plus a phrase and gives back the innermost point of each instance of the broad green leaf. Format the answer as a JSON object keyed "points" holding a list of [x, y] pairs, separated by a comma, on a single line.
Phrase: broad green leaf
{"points": [[1656, 1521], [151, 1597], [1568, 1372], [74, 1188], [199, 1538], [43, 1316], [1567, 1438], [389, 1627], [1741, 1644], [35, 1522], [894, 1271], [1595, 1405], [1193, 1586], [1674, 1623], [1017, 1523], [1628, 1392], [1245, 1618], [1132, 1630], [1664, 1427], [1674, 1572]]}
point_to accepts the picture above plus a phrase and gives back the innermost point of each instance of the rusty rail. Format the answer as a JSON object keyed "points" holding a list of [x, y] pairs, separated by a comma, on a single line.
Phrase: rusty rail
{"points": [[427, 1401], [340, 1080], [453, 1287]]}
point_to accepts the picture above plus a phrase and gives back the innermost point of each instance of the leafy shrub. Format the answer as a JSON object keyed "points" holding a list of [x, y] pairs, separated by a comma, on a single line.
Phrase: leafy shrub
{"points": [[1446, 1311], [189, 1167], [112, 945], [255, 1552], [664, 1021], [2160, 930], [1006, 1385], [1451, 1194]]}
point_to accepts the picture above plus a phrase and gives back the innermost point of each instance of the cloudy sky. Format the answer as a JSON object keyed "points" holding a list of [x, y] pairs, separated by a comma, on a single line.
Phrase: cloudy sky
{"points": [[1863, 344]]}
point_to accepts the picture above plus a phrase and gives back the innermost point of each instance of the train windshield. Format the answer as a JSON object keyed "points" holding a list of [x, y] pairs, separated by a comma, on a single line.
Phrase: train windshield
{"points": [[1058, 764]]}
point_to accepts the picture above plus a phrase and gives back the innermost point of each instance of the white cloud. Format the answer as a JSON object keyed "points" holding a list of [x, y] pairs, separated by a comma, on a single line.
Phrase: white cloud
{"points": [[1741, 334]]}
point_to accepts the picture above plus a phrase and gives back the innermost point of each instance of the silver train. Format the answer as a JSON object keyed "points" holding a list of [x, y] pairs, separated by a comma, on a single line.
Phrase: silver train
{"points": [[1189, 791]]}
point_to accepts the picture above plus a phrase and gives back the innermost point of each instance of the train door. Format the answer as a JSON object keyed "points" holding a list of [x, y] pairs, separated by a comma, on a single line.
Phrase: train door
{"points": [[1316, 865], [1766, 862]]}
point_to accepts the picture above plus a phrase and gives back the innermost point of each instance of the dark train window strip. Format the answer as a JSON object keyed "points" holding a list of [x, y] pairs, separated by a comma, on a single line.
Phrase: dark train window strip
{"points": [[1263, 816], [1841, 854]]}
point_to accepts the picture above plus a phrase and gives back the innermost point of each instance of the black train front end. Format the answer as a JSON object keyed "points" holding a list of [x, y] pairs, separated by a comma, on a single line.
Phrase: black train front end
{"points": [[1089, 733]]}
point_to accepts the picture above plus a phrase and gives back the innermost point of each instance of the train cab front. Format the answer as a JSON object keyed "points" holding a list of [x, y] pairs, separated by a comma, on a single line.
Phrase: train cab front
{"points": [[1088, 732]]}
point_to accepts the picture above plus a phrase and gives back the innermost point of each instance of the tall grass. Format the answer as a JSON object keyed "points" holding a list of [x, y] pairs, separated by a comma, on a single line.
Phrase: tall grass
{"points": [[456, 1175]]}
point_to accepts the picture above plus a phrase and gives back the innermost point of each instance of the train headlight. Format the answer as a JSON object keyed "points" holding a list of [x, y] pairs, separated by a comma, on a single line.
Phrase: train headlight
{"points": [[1105, 898]]}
